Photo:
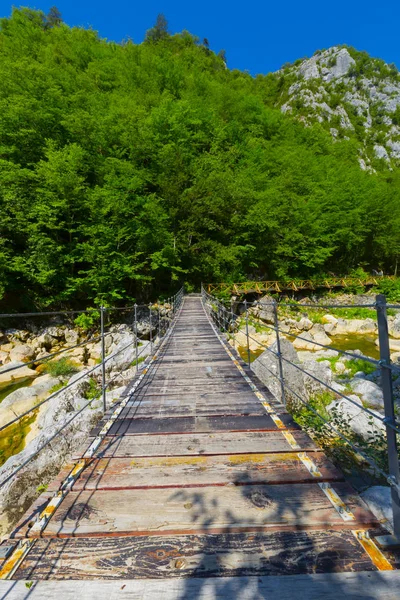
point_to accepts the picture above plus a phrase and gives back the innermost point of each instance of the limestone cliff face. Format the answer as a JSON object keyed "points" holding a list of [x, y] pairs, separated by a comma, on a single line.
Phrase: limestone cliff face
{"points": [[353, 95]]}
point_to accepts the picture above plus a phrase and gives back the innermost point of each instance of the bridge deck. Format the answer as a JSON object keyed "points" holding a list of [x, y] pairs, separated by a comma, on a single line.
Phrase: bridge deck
{"points": [[201, 475]]}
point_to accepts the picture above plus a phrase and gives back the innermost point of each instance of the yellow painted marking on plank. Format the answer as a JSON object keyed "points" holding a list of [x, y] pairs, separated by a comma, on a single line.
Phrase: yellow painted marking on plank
{"points": [[309, 464], [375, 554], [12, 563], [337, 502], [290, 440]]}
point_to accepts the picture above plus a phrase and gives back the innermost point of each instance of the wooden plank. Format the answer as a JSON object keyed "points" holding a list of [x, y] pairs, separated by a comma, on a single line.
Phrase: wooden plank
{"points": [[182, 471], [234, 554], [201, 443], [197, 424], [202, 509], [379, 585]]}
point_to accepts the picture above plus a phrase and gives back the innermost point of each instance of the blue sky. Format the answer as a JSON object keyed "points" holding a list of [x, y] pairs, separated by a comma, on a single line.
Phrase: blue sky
{"points": [[258, 35]]}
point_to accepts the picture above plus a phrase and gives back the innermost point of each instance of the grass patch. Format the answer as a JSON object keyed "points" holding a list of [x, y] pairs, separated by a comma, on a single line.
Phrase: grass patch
{"points": [[93, 390], [61, 368], [56, 387], [138, 361], [358, 364]]}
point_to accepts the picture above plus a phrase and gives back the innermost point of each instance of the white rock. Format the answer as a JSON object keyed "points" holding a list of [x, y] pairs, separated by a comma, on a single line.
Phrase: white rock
{"points": [[379, 501], [361, 422], [71, 336], [17, 375], [22, 352], [370, 392]]}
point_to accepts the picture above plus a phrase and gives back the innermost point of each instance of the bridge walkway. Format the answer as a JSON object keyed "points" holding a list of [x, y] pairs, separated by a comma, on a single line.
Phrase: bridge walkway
{"points": [[203, 474]]}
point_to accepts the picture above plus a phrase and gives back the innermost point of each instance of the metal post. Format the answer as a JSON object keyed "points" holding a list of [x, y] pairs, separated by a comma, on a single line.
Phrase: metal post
{"points": [[103, 356], [247, 334], [151, 332], [389, 541], [278, 351], [136, 340]]}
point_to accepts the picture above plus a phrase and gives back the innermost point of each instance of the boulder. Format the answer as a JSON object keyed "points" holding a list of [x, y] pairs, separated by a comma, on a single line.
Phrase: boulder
{"points": [[266, 367], [361, 422], [71, 336], [19, 335], [394, 327], [17, 403], [379, 501], [45, 341], [304, 324], [266, 309], [4, 357], [320, 370], [306, 341], [329, 319], [17, 375], [55, 332], [345, 326], [370, 392], [22, 352]]}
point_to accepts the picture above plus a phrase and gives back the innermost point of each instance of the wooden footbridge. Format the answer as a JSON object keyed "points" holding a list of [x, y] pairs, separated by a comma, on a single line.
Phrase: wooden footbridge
{"points": [[203, 487]]}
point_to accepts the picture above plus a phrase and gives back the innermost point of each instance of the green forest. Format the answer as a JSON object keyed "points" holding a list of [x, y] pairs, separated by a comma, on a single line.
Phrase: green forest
{"points": [[128, 169]]}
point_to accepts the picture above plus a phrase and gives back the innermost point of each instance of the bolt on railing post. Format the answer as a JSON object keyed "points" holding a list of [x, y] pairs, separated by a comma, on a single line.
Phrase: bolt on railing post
{"points": [[387, 388], [278, 351], [136, 339], [103, 357], [247, 333], [151, 331]]}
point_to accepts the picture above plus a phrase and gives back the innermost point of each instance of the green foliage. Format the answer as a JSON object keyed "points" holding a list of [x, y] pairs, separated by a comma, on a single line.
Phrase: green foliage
{"points": [[390, 288], [358, 364], [61, 368], [42, 488], [336, 447], [93, 390], [56, 387], [126, 169], [88, 320], [138, 361]]}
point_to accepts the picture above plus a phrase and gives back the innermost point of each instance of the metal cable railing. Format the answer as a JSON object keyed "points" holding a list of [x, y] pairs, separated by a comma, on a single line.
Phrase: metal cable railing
{"points": [[173, 303], [226, 322]]}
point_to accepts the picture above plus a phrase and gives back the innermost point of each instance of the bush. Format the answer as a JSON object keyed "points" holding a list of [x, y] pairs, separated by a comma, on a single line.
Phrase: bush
{"points": [[88, 320], [61, 368]]}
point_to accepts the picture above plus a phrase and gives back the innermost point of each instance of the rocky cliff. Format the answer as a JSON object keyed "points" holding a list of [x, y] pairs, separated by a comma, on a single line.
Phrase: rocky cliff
{"points": [[354, 96]]}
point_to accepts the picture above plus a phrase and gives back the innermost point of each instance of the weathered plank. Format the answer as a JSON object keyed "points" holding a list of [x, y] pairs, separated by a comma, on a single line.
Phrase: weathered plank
{"points": [[258, 553], [202, 509], [196, 424], [201, 443], [180, 471], [368, 585]]}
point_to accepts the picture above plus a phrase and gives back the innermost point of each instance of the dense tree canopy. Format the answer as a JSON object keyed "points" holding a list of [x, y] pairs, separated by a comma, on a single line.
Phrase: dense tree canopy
{"points": [[126, 169]]}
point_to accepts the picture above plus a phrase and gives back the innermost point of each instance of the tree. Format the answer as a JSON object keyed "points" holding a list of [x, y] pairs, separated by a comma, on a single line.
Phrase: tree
{"points": [[53, 17], [159, 31]]}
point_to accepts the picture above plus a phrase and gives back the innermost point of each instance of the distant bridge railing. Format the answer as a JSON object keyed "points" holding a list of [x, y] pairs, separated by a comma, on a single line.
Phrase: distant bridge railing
{"points": [[226, 321], [162, 326], [295, 285]]}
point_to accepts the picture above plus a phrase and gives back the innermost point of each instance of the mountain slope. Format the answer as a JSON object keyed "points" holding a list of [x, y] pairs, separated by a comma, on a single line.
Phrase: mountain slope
{"points": [[351, 94]]}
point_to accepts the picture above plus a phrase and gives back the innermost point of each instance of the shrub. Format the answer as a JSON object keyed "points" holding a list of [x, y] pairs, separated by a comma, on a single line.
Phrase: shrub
{"points": [[61, 368], [88, 320]]}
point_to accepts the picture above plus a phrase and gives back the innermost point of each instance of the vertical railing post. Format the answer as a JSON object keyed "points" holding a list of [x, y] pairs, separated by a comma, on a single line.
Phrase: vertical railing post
{"points": [[278, 351], [103, 357], [247, 334], [136, 340], [390, 419], [151, 330], [159, 323]]}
